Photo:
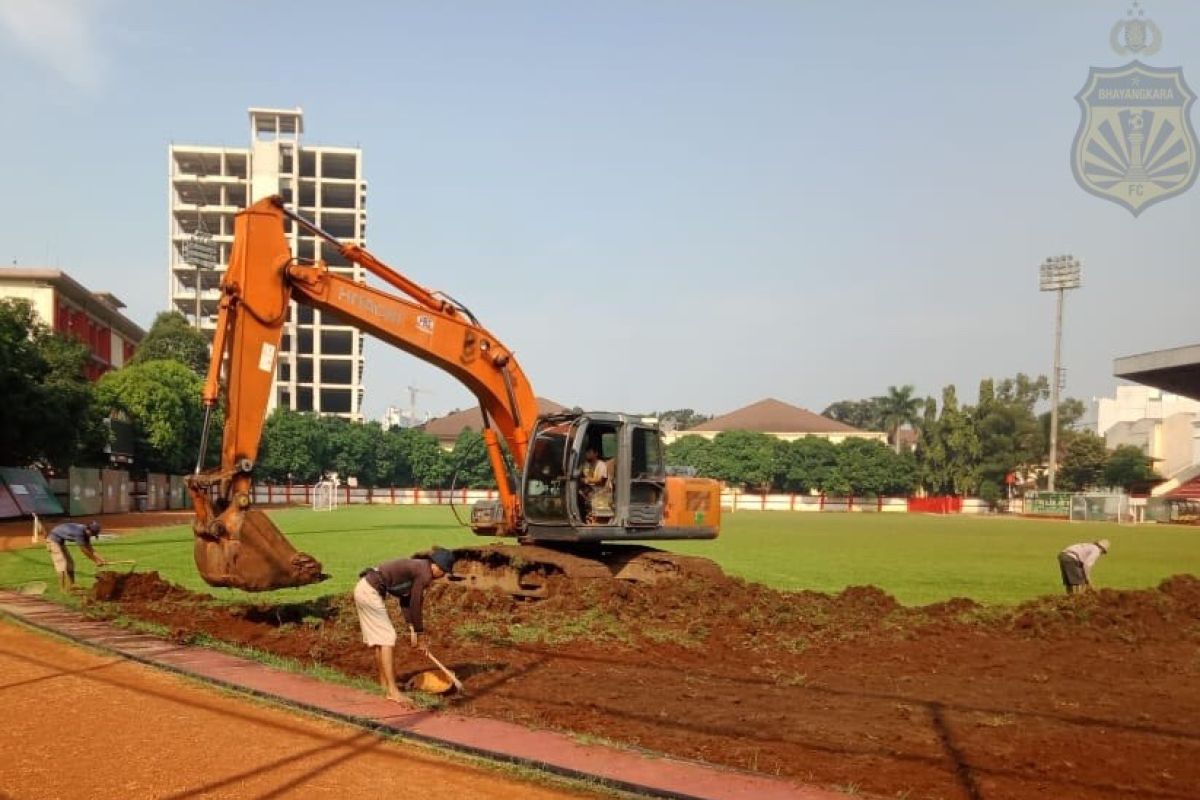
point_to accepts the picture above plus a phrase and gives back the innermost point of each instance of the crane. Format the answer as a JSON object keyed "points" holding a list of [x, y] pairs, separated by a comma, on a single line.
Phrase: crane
{"points": [[537, 461]]}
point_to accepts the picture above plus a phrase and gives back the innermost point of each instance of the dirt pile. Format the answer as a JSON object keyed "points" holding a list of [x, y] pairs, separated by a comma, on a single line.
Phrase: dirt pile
{"points": [[140, 587]]}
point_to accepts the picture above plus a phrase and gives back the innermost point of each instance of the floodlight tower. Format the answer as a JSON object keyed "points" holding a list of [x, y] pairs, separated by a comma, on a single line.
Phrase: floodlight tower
{"points": [[1058, 274]]}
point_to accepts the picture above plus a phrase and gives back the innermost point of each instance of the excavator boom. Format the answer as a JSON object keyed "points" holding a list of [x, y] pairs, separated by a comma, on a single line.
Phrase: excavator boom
{"points": [[237, 545]]}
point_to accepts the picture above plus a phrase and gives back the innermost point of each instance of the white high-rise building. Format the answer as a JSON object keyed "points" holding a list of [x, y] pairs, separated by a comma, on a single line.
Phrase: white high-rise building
{"points": [[320, 361]]}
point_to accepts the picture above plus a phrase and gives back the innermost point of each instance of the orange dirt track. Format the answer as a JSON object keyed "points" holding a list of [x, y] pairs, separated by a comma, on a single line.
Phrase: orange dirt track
{"points": [[81, 724]]}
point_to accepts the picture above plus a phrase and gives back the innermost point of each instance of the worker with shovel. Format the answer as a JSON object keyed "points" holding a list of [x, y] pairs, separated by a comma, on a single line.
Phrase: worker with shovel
{"points": [[405, 579], [56, 543]]}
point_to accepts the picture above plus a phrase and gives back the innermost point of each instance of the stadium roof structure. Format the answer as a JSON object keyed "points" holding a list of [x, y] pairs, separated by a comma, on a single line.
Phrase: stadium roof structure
{"points": [[774, 416], [1176, 370], [446, 429]]}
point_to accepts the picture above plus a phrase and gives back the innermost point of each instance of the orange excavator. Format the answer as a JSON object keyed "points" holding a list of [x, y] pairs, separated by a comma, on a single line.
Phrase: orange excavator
{"points": [[564, 523]]}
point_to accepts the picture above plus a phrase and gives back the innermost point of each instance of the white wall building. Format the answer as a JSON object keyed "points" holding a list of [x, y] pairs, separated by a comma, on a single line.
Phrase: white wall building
{"points": [[320, 362], [1164, 426]]}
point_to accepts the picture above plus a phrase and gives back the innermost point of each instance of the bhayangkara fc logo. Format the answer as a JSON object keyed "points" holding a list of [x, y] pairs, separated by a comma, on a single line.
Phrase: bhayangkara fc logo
{"points": [[1135, 145]]}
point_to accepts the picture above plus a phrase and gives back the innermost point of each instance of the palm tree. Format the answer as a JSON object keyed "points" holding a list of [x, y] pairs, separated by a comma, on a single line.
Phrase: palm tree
{"points": [[898, 408]]}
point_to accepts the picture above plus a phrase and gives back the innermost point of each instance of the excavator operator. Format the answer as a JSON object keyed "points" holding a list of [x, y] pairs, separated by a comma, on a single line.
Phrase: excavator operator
{"points": [[595, 487]]}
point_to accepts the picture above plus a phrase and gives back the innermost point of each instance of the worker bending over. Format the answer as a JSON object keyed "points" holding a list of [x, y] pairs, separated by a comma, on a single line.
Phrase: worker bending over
{"points": [[1076, 562], [56, 543], [405, 579]]}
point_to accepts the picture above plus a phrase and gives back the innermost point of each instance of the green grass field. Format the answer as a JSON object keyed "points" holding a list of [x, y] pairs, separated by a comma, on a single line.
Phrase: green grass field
{"points": [[920, 559]]}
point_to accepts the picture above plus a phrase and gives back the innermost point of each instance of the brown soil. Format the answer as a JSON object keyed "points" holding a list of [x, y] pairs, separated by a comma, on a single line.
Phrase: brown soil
{"points": [[1095, 696], [81, 724]]}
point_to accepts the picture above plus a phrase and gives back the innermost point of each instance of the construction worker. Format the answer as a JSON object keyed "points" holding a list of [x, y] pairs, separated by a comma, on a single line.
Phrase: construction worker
{"points": [[406, 579], [56, 543], [1076, 562], [595, 488]]}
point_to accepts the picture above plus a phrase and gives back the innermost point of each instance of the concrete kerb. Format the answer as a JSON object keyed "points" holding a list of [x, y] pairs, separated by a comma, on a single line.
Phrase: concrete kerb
{"points": [[17, 608]]}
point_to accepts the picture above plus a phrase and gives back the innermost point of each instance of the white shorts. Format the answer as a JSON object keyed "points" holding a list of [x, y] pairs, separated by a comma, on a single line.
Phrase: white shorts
{"points": [[63, 563], [377, 628]]}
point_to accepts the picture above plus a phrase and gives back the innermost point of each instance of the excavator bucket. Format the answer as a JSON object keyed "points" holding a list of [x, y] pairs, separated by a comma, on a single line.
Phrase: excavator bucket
{"points": [[252, 555]]}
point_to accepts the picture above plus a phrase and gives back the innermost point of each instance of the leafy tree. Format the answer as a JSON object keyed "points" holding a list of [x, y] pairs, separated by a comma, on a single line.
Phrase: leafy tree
{"points": [[170, 337], [1009, 435], [962, 445], [48, 415], [294, 447], [1129, 468], [690, 451], [351, 446], [869, 468], [393, 466], [162, 398], [1083, 462], [931, 451], [431, 464], [863, 414], [896, 409], [809, 464], [744, 458], [469, 460], [75, 434]]}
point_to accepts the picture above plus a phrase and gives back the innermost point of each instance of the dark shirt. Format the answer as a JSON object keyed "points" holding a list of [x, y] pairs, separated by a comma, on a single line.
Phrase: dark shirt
{"points": [[406, 580], [70, 532]]}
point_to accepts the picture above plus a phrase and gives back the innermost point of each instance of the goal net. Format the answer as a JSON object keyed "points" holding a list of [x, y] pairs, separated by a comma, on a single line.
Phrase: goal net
{"points": [[324, 497], [1091, 507]]}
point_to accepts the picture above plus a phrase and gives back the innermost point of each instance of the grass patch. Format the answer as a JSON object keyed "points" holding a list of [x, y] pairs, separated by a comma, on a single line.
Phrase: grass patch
{"points": [[918, 558]]}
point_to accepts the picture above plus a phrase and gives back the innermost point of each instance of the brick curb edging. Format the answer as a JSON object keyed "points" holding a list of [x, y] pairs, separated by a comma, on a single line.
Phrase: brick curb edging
{"points": [[646, 774]]}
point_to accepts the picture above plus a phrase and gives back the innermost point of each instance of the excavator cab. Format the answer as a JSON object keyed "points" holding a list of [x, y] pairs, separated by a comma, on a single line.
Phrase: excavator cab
{"points": [[638, 499]]}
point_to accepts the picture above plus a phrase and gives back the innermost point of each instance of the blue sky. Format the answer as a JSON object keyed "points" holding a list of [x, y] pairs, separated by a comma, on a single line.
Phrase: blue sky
{"points": [[656, 204]]}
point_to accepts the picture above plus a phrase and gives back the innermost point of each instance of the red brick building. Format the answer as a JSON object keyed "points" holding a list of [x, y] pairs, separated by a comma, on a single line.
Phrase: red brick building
{"points": [[93, 318]]}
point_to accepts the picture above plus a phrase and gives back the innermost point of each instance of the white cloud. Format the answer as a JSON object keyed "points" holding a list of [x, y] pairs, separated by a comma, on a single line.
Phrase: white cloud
{"points": [[58, 33]]}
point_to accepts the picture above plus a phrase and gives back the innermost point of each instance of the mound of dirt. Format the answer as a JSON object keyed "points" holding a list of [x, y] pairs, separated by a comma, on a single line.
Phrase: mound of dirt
{"points": [[830, 688], [1171, 611], [135, 587]]}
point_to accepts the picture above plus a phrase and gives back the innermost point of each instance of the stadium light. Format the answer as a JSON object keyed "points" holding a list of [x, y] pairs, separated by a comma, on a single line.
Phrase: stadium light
{"points": [[1058, 274]]}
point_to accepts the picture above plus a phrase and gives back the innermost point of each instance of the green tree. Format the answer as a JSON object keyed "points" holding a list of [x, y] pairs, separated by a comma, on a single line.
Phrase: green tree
{"points": [[1083, 462], [162, 398], [392, 464], [962, 445], [1009, 433], [470, 462], [1129, 468], [171, 338], [896, 409], [294, 447], [351, 448], [49, 416], [690, 451], [807, 465], [431, 466], [868, 468], [863, 414], [743, 458]]}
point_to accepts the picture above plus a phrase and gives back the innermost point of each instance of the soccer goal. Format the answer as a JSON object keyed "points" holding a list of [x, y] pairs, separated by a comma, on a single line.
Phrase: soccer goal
{"points": [[1100, 507], [324, 496]]}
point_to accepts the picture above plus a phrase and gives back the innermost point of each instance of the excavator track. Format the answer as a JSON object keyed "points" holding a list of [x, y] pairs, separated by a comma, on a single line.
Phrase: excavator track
{"points": [[527, 570]]}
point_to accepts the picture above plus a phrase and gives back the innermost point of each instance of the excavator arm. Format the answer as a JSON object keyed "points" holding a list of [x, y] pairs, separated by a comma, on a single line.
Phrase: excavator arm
{"points": [[236, 544]]}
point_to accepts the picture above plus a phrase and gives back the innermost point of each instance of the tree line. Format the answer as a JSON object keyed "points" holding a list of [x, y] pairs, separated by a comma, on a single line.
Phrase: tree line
{"points": [[56, 418], [955, 449]]}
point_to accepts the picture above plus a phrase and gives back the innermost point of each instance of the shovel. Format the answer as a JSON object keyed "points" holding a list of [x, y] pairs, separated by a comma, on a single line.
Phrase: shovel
{"points": [[453, 678]]}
